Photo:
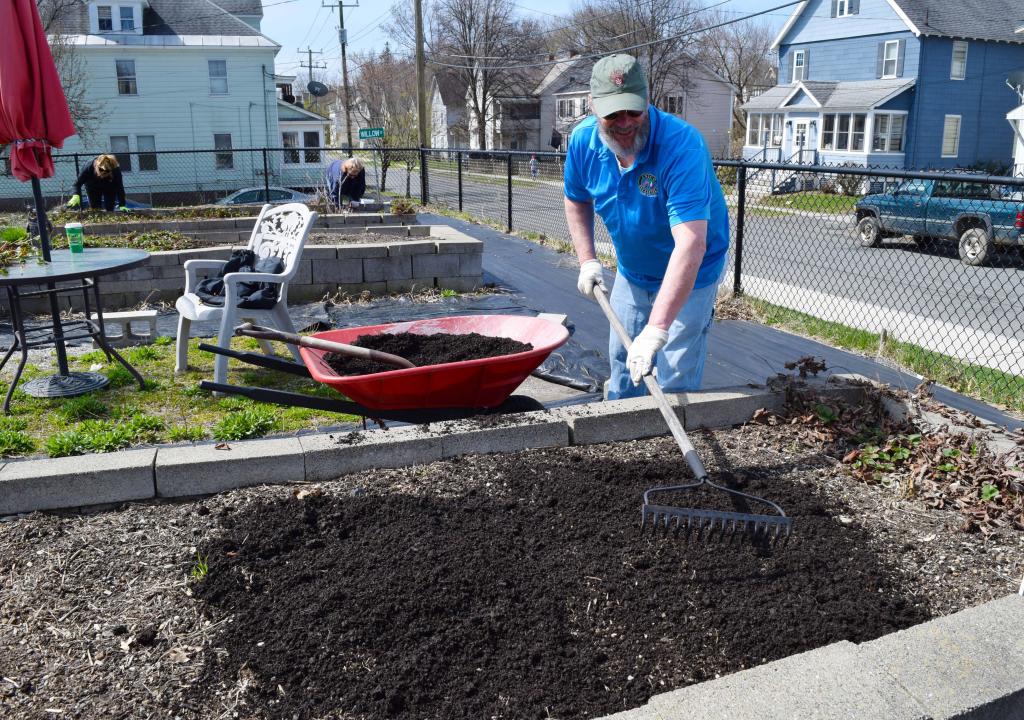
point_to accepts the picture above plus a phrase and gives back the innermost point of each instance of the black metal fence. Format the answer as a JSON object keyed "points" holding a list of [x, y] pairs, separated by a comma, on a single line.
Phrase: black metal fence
{"points": [[923, 268]]}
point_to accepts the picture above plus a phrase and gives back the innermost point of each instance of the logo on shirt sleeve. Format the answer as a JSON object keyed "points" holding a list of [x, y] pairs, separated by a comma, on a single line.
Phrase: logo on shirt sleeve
{"points": [[648, 184]]}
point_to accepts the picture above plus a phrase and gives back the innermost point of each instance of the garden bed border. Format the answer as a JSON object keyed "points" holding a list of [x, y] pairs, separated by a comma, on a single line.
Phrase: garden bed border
{"points": [[965, 665]]}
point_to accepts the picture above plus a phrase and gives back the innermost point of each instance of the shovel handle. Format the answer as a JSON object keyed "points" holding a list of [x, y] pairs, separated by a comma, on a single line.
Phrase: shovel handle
{"points": [[674, 426], [265, 333]]}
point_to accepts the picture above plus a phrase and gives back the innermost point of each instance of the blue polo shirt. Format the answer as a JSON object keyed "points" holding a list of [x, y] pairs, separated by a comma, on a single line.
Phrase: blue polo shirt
{"points": [[672, 181]]}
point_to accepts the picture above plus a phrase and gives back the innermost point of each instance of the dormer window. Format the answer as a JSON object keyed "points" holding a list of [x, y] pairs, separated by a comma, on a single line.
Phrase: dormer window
{"points": [[105, 18], [127, 19]]}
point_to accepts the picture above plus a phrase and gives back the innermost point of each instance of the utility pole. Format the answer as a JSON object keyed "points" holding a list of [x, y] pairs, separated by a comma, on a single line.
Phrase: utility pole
{"points": [[421, 77], [343, 41], [310, 65]]}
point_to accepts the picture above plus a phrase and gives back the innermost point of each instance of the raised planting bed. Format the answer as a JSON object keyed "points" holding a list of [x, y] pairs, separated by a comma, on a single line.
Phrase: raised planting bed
{"points": [[514, 585], [384, 260]]}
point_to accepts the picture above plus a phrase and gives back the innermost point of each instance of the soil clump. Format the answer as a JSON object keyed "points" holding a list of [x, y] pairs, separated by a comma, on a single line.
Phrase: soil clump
{"points": [[420, 350]]}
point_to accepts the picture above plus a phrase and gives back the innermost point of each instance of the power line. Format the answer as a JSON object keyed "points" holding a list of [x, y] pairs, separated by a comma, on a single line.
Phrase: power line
{"points": [[619, 50]]}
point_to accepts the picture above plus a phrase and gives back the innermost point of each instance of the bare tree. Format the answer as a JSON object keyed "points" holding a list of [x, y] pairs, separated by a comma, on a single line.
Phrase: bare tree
{"points": [[481, 42], [59, 18], [384, 91], [741, 53], [662, 34]]}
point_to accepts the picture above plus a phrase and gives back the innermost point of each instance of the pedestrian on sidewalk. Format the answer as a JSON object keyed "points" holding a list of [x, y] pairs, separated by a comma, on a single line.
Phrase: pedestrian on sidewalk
{"points": [[104, 185], [533, 166], [649, 176]]}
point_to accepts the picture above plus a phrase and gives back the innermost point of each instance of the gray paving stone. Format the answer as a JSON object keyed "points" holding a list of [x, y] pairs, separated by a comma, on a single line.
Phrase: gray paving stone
{"points": [[338, 271], [75, 481], [830, 683], [416, 248], [725, 408], [387, 268], [966, 665], [615, 420], [527, 430], [435, 265], [329, 456], [203, 469]]}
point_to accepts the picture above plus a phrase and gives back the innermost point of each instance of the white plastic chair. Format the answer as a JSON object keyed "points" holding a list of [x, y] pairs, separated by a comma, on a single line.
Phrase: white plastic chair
{"points": [[279, 231]]}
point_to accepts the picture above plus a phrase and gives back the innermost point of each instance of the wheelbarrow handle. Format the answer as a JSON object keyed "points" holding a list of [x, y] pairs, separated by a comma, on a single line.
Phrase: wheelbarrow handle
{"points": [[265, 333]]}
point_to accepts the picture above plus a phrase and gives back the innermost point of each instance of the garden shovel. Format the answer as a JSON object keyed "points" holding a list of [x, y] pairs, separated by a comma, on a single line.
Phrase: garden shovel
{"points": [[265, 333], [698, 522]]}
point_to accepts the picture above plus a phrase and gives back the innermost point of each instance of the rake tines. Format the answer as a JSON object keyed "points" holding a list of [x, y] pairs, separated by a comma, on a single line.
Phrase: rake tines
{"points": [[704, 525]]}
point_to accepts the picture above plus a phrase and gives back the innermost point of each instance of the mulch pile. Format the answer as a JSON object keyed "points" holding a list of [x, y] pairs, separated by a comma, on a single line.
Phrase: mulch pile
{"points": [[434, 349]]}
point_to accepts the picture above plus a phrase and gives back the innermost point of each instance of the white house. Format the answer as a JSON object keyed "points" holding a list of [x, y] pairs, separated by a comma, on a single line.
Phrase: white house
{"points": [[169, 75]]}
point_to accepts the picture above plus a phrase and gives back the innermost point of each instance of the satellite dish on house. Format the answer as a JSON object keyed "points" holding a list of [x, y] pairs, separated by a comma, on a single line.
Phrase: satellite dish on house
{"points": [[316, 89]]}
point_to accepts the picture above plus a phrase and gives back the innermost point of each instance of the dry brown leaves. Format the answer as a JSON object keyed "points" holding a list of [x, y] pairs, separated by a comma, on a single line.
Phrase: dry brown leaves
{"points": [[946, 470]]}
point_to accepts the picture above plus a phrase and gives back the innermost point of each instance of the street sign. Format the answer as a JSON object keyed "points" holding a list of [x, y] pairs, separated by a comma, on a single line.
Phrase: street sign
{"points": [[370, 133]]}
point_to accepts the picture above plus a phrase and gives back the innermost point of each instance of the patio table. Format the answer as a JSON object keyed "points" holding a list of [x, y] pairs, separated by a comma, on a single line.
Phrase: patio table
{"points": [[66, 273]]}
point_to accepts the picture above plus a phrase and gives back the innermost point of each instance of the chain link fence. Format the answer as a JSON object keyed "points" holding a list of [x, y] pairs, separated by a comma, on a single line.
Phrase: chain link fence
{"points": [[921, 268]]}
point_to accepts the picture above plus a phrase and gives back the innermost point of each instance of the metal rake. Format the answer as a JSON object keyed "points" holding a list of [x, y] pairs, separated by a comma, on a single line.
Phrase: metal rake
{"points": [[697, 523]]}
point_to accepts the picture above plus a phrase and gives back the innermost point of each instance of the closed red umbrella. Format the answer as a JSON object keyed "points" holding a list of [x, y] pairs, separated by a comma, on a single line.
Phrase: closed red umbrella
{"points": [[33, 116], [33, 111]]}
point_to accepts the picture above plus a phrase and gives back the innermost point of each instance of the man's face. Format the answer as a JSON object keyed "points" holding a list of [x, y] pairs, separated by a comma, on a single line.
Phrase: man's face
{"points": [[624, 132]]}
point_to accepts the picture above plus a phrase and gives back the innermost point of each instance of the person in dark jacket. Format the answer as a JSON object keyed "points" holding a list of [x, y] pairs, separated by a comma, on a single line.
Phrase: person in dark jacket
{"points": [[104, 185], [347, 182]]}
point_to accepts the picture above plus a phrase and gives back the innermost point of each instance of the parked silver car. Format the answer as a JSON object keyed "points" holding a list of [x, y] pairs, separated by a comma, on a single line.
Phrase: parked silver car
{"points": [[258, 196]]}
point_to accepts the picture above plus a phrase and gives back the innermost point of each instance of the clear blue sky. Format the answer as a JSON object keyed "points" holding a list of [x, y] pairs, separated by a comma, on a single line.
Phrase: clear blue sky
{"points": [[296, 24]]}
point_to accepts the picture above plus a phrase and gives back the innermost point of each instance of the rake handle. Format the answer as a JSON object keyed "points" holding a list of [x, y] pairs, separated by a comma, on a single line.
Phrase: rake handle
{"points": [[265, 333], [674, 426]]}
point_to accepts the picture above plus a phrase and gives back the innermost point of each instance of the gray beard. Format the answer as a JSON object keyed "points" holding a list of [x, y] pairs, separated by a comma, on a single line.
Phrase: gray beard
{"points": [[639, 141]]}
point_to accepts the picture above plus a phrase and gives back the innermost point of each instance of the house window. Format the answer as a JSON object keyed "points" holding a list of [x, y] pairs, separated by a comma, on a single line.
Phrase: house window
{"points": [[146, 145], [843, 131], [567, 108], [105, 18], [218, 76], [126, 84], [311, 141], [844, 8], [119, 147], [127, 19], [890, 58], [290, 143], [958, 67], [951, 136], [888, 133], [223, 160], [764, 129], [674, 104], [799, 64]]}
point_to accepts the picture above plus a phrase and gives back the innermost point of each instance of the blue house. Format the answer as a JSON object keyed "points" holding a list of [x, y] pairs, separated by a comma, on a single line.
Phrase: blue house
{"points": [[914, 84]]}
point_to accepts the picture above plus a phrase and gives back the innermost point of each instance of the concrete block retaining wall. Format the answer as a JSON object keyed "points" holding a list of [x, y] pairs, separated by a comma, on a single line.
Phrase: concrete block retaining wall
{"points": [[443, 258]]}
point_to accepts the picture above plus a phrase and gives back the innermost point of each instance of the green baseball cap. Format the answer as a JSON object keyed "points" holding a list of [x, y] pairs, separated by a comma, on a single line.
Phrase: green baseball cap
{"points": [[617, 83]]}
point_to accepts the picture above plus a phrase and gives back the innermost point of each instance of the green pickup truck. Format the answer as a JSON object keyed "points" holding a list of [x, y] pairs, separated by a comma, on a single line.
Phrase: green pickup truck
{"points": [[972, 214]]}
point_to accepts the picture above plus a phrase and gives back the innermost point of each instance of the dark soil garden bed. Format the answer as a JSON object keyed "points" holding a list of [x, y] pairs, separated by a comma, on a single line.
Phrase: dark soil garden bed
{"points": [[503, 586], [420, 350]]}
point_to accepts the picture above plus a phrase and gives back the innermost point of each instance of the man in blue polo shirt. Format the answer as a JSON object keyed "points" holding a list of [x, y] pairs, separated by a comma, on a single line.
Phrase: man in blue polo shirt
{"points": [[649, 176]]}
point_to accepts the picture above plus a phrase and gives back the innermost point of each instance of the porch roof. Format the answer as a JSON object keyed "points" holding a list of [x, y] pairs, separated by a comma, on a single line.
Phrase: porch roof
{"points": [[846, 95]]}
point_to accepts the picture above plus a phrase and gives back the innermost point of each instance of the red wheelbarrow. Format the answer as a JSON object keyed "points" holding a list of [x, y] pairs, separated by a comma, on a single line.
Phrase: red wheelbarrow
{"points": [[417, 394]]}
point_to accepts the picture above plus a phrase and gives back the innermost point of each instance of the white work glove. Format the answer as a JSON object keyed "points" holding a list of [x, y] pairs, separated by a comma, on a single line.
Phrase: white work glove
{"points": [[640, 359], [591, 274]]}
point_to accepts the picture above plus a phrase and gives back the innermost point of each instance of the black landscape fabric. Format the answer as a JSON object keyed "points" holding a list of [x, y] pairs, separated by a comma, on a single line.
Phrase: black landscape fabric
{"points": [[519, 586]]}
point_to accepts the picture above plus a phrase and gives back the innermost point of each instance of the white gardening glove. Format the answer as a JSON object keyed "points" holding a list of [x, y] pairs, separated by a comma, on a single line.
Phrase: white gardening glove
{"points": [[640, 359], [591, 274]]}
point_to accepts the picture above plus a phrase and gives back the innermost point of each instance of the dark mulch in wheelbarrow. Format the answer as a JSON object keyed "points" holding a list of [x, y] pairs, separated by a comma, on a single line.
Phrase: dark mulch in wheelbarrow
{"points": [[420, 350], [520, 587]]}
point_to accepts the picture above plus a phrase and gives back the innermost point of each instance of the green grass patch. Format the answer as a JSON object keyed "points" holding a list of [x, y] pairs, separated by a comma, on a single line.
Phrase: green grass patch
{"points": [[171, 408], [985, 384], [812, 202]]}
